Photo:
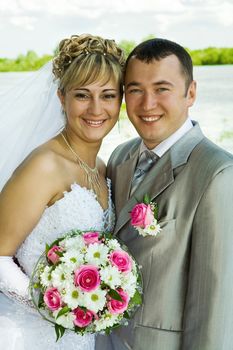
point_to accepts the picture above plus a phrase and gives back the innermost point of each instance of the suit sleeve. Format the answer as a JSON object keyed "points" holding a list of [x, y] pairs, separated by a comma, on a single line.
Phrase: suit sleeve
{"points": [[208, 314]]}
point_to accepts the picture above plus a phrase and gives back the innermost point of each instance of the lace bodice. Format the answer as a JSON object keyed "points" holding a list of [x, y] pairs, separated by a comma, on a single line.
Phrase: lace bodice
{"points": [[21, 330], [78, 209]]}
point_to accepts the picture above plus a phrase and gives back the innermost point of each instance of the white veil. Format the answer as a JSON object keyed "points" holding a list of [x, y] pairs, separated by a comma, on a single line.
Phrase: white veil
{"points": [[30, 114]]}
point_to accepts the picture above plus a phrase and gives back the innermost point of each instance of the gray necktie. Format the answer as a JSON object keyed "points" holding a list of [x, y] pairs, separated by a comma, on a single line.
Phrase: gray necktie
{"points": [[146, 160]]}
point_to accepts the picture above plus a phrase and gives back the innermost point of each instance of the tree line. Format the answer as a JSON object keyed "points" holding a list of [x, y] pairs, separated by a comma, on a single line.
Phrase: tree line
{"points": [[31, 61]]}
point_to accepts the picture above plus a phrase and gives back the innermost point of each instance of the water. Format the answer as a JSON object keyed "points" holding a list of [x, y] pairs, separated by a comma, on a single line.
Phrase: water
{"points": [[213, 108]]}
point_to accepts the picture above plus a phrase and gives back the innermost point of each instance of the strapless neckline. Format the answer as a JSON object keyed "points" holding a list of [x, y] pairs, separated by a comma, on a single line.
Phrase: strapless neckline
{"points": [[72, 188]]}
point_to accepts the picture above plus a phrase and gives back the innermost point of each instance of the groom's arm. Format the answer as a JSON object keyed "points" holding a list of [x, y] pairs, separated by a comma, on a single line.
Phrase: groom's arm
{"points": [[208, 315]]}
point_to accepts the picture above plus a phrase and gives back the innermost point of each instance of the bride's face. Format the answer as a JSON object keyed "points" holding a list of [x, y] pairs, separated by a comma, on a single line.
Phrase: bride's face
{"points": [[92, 110]]}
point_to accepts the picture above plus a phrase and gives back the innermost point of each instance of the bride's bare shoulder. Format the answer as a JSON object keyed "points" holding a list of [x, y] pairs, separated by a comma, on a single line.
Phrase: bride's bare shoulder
{"points": [[44, 160]]}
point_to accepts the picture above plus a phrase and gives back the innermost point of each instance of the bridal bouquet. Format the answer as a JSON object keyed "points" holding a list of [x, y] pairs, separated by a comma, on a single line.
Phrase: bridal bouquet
{"points": [[86, 282]]}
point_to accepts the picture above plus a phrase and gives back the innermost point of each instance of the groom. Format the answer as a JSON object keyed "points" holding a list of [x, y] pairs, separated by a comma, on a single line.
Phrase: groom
{"points": [[187, 268]]}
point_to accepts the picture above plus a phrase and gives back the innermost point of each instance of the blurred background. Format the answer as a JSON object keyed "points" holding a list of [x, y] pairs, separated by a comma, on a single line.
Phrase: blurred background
{"points": [[30, 31]]}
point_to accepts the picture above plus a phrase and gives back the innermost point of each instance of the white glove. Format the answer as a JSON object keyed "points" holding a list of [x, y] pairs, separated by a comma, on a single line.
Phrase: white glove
{"points": [[13, 282], [12, 279]]}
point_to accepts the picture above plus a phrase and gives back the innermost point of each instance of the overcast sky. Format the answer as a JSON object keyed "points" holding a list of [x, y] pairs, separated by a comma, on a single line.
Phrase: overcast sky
{"points": [[40, 24]]}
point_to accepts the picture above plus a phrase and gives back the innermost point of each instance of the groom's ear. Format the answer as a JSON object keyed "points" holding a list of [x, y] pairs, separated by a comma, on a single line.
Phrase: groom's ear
{"points": [[191, 93]]}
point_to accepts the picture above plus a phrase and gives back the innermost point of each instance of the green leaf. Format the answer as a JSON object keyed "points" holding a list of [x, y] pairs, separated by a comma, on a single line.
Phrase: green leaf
{"points": [[108, 235], [47, 247], [63, 311], [40, 300], [156, 210], [53, 267], [126, 315], [114, 295], [104, 285], [77, 329], [59, 253], [60, 330], [56, 242], [107, 331], [139, 279], [116, 325], [137, 298], [146, 199]]}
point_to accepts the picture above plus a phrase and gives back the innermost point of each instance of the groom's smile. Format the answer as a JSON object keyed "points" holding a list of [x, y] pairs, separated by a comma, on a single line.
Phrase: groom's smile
{"points": [[150, 118]]}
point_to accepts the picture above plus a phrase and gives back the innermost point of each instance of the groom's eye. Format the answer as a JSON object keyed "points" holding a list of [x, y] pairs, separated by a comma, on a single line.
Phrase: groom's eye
{"points": [[162, 89], [134, 91]]}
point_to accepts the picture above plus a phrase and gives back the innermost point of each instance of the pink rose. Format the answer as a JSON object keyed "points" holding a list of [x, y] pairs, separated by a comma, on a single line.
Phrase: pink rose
{"points": [[91, 237], [141, 215], [121, 260], [82, 318], [52, 299], [52, 256], [118, 307], [87, 278]]}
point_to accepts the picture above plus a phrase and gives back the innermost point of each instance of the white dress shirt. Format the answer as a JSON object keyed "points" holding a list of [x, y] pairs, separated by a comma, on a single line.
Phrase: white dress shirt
{"points": [[162, 148]]}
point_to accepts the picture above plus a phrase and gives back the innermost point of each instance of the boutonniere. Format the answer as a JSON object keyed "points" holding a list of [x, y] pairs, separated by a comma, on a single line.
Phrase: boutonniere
{"points": [[144, 217]]}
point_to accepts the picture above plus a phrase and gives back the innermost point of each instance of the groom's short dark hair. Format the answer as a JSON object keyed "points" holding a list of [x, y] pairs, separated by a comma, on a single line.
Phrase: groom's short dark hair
{"points": [[157, 49]]}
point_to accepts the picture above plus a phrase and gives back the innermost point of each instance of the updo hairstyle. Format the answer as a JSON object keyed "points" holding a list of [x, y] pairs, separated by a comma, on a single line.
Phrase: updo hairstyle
{"points": [[85, 59]]}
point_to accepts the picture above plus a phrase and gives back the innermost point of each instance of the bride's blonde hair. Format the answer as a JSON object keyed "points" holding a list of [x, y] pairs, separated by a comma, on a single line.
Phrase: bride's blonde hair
{"points": [[85, 59]]}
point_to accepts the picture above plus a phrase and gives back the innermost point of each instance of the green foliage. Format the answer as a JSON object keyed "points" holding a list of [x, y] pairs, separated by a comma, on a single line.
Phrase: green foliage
{"points": [[23, 63], [31, 61], [146, 199], [212, 56], [114, 295], [137, 298], [127, 46], [59, 331], [63, 311]]}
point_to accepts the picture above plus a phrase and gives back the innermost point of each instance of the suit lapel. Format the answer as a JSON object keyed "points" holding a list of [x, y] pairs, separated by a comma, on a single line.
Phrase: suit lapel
{"points": [[124, 174], [160, 176], [156, 181]]}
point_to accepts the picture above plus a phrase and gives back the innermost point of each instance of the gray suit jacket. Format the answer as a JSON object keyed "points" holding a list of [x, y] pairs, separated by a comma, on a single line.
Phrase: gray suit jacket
{"points": [[188, 267]]}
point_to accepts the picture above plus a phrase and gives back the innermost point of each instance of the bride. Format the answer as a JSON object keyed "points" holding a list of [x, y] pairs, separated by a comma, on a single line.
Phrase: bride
{"points": [[60, 186]]}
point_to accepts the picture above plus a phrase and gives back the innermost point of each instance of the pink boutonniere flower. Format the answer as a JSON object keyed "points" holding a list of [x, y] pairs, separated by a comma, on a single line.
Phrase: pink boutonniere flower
{"points": [[144, 217]]}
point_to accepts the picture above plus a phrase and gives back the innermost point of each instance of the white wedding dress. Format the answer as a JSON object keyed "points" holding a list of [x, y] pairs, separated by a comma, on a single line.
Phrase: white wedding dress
{"points": [[21, 329]]}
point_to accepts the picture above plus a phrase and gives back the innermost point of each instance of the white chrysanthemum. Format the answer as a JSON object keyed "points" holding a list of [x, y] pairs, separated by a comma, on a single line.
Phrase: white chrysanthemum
{"points": [[66, 320], [114, 244], [61, 277], [45, 277], [129, 283], [106, 320], [73, 259], [73, 243], [95, 300], [111, 276], [134, 268], [151, 230], [97, 254], [73, 297]]}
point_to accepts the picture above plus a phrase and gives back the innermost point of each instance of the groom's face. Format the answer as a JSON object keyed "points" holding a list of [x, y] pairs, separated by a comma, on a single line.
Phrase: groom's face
{"points": [[157, 99]]}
